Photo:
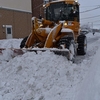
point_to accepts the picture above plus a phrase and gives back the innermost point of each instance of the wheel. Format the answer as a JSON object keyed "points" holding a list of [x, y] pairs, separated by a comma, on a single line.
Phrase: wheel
{"points": [[22, 44], [82, 45]]}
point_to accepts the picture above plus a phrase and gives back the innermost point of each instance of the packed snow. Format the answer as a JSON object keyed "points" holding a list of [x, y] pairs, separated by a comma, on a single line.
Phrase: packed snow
{"points": [[47, 76]]}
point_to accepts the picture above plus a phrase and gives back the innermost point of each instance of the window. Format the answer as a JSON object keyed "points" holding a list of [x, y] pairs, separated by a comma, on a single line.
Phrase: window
{"points": [[8, 30]]}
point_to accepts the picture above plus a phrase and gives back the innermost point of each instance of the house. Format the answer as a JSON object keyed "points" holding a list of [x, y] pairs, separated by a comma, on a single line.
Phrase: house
{"points": [[14, 23]]}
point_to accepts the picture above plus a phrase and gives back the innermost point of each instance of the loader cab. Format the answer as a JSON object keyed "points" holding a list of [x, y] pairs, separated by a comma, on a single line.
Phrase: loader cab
{"points": [[66, 12], [60, 11]]}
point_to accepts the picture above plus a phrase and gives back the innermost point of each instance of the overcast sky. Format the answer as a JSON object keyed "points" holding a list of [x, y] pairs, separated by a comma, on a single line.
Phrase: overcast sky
{"points": [[92, 16]]}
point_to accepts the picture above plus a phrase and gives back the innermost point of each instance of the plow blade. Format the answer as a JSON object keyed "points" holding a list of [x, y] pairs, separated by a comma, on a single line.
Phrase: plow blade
{"points": [[16, 52], [63, 52]]}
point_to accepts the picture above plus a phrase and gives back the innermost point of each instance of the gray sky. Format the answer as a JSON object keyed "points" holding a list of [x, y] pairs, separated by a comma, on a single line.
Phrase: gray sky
{"points": [[92, 16], [17, 4]]}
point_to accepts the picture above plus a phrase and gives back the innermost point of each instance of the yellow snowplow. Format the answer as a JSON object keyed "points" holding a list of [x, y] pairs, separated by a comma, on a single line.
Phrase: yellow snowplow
{"points": [[59, 31]]}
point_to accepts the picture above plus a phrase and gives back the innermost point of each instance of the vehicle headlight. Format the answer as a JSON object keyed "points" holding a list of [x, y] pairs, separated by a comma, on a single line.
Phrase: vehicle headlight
{"points": [[65, 24]]}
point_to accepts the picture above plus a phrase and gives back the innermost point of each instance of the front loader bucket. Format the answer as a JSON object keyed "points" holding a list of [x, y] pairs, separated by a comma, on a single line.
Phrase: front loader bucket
{"points": [[16, 52], [63, 52]]}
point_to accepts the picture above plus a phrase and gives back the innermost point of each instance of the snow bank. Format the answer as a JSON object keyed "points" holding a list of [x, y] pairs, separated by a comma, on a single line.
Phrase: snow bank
{"points": [[10, 43], [41, 76]]}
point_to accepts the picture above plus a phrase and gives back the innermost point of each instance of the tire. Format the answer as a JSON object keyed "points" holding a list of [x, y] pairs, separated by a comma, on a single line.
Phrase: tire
{"points": [[82, 45], [22, 44]]}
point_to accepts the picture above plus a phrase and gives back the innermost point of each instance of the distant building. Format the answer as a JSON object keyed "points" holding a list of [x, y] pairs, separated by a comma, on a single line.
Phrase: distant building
{"points": [[16, 4], [37, 7], [14, 23]]}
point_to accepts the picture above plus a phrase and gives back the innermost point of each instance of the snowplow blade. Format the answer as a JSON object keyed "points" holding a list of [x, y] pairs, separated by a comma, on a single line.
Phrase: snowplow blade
{"points": [[16, 52], [63, 52]]}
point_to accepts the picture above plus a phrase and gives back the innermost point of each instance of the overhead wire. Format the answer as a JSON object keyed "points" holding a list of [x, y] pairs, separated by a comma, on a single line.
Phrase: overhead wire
{"points": [[90, 6], [90, 9], [90, 17], [96, 21]]}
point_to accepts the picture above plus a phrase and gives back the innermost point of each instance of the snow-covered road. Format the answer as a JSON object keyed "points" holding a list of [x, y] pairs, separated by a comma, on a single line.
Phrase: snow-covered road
{"points": [[93, 42], [89, 88]]}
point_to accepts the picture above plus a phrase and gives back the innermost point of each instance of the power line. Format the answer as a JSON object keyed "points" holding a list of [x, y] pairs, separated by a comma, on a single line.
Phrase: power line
{"points": [[90, 9], [38, 6], [89, 6], [96, 24], [90, 17], [96, 21]]}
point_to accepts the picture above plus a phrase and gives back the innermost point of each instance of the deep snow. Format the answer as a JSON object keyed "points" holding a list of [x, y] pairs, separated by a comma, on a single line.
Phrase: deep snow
{"points": [[46, 76]]}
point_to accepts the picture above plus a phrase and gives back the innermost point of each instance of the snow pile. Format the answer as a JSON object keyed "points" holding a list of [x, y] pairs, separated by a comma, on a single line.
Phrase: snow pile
{"points": [[46, 76], [7, 55], [10, 43], [41, 76]]}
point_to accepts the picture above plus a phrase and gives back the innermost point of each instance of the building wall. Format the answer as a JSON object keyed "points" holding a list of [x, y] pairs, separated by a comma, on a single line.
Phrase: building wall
{"points": [[20, 21], [17, 4], [36, 6]]}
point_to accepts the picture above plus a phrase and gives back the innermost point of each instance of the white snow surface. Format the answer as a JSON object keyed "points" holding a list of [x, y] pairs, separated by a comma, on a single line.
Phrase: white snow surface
{"points": [[46, 76]]}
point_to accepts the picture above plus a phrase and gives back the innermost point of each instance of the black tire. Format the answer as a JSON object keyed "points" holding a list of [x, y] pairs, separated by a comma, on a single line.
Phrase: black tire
{"points": [[22, 44], [82, 45]]}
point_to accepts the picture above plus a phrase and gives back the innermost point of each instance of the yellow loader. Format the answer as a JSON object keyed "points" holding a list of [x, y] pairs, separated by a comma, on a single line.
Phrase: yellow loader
{"points": [[59, 31]]}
